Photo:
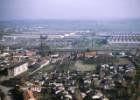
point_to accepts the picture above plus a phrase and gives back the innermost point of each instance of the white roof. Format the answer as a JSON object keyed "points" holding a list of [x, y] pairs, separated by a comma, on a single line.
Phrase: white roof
{"points": [[96, 97]]}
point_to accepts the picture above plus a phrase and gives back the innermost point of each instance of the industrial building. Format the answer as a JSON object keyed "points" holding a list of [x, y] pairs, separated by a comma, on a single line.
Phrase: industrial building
{"points": [[17, 69], [126, 39]]}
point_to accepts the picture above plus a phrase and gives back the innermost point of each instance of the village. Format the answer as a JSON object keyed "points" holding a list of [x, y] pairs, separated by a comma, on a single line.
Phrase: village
{"points": [[86, 75]]}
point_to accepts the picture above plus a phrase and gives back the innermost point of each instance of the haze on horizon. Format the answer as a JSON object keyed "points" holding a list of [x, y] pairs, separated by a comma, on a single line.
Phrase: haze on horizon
{"points": [[69, 9]]}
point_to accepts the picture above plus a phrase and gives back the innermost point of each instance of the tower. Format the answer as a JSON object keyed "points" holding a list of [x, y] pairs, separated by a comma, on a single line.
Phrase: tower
{"points": [[43, 49]]}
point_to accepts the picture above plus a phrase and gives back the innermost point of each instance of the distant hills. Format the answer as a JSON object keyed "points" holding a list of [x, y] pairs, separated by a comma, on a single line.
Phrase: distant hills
{"points": [[111, 26]]}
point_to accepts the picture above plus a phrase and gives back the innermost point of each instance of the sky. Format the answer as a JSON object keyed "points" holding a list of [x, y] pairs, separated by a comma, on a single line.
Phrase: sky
{"points": [[69, 9]]}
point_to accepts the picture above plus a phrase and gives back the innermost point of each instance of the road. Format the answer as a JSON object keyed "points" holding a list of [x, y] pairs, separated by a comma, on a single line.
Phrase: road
{"points": [[5, 90]]}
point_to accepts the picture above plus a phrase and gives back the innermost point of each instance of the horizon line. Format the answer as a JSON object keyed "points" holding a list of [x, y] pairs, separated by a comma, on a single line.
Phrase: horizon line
{"points": [[51, 19]]}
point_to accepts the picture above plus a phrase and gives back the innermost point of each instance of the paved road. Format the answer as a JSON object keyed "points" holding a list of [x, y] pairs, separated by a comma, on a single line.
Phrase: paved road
{"points": [[5, 90]]}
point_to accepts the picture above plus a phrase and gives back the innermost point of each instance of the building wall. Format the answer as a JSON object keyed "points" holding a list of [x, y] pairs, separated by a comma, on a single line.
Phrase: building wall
{"points": [[18, 70]]}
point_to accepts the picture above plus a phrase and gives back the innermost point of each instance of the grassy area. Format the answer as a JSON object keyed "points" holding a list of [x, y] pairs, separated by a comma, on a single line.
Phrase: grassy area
{"points": [[122, 61], [80, 66]]}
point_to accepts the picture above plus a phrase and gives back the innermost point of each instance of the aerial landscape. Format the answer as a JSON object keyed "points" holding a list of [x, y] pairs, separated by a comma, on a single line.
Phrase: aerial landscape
{"points": [[69, 50]]}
